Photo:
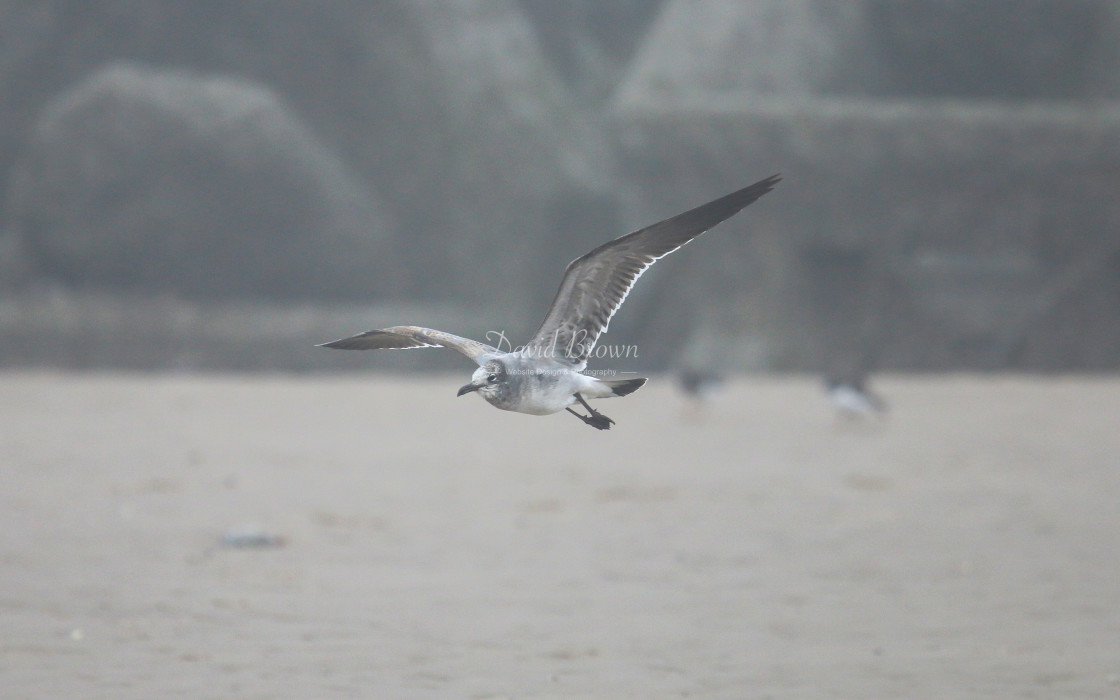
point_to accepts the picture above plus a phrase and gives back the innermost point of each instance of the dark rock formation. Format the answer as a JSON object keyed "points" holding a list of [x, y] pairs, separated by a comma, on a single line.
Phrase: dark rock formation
{"points": [[928, 232], [1007, 49], [590, 42], [997, 49], [170, 183], [446, 111]]}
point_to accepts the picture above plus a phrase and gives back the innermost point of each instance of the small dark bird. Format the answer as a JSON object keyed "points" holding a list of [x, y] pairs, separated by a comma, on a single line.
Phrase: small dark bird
{"points": [[698, 384]]}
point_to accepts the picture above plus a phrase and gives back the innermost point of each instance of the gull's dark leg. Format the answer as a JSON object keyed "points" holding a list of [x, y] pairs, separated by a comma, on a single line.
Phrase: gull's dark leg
{"points": [[595, 420]]}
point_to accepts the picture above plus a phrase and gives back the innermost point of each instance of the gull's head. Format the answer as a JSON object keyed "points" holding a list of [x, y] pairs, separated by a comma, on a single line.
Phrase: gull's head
{"points": [[488, 380]]}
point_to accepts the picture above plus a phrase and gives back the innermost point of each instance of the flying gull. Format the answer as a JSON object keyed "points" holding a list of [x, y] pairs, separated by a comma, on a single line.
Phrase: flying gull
{"points": [[546, 375]]}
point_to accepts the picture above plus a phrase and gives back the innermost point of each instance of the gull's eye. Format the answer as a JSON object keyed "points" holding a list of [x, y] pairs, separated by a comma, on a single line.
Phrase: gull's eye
{"points": [[491, 378]]}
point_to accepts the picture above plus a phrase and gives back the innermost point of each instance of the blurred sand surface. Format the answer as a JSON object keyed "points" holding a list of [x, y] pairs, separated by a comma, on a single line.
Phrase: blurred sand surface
{"points": [[433, 547]]}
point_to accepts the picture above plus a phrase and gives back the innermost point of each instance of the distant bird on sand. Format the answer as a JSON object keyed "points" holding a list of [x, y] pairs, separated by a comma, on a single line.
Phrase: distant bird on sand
{"points": [[700, 388], [699, 385], [853, 399], [546, 375]]}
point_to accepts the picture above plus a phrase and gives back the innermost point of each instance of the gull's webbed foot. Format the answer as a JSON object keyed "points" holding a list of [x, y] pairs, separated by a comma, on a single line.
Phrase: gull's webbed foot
{"points": [[595, 420]]}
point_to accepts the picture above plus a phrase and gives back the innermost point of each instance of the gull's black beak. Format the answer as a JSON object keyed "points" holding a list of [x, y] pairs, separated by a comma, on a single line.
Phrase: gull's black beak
{"points": [[468, 388]]}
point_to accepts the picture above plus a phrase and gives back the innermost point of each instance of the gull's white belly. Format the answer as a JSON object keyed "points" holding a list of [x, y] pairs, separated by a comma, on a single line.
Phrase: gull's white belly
{"points": [[546, 402], [543, 392]]}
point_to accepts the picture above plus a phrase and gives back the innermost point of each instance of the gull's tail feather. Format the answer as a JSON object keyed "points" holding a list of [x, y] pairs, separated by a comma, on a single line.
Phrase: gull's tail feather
{"points": [[622, 387]]}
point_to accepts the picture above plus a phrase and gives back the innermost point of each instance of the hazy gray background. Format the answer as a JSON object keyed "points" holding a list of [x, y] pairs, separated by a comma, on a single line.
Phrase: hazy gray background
{"points": [[218, 185], [222, 184]]}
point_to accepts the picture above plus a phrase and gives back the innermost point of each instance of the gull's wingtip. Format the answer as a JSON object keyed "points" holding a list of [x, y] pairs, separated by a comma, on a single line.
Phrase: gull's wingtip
{"points": [[370, 340], [749, 194]]}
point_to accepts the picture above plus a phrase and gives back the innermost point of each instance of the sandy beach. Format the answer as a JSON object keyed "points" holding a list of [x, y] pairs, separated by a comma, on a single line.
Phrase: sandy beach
{"points": [[367, 536]]}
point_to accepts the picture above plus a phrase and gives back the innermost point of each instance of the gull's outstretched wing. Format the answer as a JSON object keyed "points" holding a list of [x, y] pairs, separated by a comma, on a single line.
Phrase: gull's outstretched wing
{"points": [[402, 337], [595, 285]]}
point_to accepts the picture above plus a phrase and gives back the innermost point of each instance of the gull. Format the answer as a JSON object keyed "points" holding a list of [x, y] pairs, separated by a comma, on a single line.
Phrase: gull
{"points": [[699, 384], [546, 375], [853, 399]]}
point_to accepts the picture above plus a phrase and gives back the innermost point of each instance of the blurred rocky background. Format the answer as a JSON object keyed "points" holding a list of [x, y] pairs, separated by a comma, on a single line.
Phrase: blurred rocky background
{"points": [[220, 184]]}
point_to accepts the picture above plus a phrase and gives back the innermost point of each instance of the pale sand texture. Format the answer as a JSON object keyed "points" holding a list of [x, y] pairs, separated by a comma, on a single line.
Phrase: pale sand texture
{"points": [[437, 548]]}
